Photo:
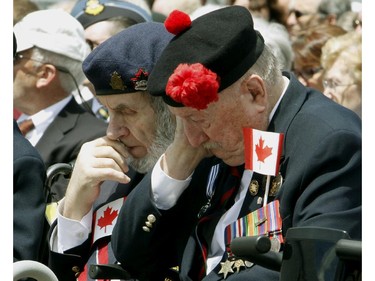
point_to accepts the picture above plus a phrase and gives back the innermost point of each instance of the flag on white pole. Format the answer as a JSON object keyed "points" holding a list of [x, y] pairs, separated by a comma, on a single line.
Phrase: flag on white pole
{"points": [[262, 151]]}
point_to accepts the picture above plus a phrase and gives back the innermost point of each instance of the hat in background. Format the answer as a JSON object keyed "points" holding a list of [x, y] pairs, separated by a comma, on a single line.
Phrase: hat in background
{"points": [[14, 45], [223, 41], [122, 63], [52, 30], [88, 12]]}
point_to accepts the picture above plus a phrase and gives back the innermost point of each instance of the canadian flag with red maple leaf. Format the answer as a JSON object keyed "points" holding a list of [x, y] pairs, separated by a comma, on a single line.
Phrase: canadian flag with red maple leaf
{"points": [[262, 151], [106, 218]]}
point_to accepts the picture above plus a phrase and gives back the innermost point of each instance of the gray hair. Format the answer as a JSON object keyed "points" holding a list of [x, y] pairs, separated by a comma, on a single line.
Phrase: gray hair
{"points": [[165, 124], [62, 63], [268, 67]]}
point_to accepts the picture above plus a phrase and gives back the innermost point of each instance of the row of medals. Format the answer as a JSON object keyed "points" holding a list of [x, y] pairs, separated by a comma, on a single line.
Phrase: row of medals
{"points": [[234, 264]]}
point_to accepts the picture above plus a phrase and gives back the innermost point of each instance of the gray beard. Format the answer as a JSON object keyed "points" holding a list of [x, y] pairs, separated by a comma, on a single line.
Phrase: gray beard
{"points": [[157, 148]]}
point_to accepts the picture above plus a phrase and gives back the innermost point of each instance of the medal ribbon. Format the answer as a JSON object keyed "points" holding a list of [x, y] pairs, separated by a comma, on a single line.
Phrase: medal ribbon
{"points": [[264, 221]]}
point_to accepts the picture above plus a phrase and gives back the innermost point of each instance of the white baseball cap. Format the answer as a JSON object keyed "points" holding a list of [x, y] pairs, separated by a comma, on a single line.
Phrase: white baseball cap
{"points": [[53, 30]]}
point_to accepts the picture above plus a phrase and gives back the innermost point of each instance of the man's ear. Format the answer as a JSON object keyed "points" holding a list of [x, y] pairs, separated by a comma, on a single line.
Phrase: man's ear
{"points": [[254, 85], [46, 74]]}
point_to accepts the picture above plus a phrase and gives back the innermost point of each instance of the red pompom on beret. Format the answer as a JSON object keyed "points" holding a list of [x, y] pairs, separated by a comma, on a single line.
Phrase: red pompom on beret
{"points": [[177, 22]]}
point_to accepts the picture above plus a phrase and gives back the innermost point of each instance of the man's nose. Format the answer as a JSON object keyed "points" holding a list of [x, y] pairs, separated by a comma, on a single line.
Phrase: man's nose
{"points": [[116, 130]]}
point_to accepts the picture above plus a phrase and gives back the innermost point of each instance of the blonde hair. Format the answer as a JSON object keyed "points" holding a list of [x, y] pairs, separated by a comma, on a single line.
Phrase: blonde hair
{"points": [[347, 46]]}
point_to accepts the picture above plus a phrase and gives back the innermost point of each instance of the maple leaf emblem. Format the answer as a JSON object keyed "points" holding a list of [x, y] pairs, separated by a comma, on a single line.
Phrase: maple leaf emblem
{"points": [[261, 151], [107, 218]]}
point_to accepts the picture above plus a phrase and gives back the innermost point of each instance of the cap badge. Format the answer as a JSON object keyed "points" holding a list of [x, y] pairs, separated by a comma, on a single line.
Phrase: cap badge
{"points": [[140, 80], [93, 7], [116, 82]]}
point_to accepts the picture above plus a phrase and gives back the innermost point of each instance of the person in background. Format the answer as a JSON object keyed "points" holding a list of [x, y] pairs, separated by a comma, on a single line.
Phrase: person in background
{"points": [[140, 129], [29, 202], [188, 210], [341, 60], [47, 68], [165, 7], [307, 48], [334, 9], [270, 10], [20, 9], [101, 20], [303, 14]]}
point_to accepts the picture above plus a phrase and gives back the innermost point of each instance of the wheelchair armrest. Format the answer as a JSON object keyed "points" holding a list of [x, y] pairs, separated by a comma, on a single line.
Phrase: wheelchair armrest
{"points": [[347, 249], [108, 271]]}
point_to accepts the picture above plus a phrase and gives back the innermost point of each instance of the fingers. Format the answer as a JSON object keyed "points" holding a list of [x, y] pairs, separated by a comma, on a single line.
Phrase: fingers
{"points": [[103, 152]]}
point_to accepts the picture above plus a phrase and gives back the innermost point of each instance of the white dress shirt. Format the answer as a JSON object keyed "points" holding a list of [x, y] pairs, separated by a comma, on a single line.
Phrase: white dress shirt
{"points": [[43, 119]]}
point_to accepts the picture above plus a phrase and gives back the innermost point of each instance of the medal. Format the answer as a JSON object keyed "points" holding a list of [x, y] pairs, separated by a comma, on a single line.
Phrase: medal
{"points": [[226, 268], [275, 244], [275, 185], [254, 187], [238, 264]]}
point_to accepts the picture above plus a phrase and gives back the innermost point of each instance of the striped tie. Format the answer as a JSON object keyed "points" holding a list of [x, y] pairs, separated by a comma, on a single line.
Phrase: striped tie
{"points": [[26, 126]]}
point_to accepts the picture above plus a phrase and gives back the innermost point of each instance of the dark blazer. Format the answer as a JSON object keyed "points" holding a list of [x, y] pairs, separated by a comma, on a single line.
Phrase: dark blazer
{"points": [[66, 265], [321, 168], [28, 198], [63, 139]]}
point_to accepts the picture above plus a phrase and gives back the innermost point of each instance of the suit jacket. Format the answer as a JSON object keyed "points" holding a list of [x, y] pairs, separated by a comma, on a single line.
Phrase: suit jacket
{"points": [[321, 168], [29, 202], [73, 261], [62, 140]]}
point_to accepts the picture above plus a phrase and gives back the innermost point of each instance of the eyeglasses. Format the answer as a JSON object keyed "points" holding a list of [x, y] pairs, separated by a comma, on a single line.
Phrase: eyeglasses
{"points": [[19, 57], [329, 84]]}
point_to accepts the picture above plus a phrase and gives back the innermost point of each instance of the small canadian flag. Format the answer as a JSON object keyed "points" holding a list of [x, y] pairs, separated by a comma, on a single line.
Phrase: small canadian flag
{"points": [[262, 151]]}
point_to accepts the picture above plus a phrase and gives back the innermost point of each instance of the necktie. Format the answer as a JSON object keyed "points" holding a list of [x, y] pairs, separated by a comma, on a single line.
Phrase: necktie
{"points": [[26, 126], [231, 184]]}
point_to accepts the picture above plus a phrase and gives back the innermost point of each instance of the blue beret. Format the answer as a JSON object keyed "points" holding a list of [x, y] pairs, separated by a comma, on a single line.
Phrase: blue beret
{"points": [[122, 63], [223, 41], [88, 12]]}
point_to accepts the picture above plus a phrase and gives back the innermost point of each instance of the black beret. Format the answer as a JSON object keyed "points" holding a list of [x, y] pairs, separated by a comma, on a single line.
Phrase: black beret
{"points": [[223, 41], [122, 63], [88, 12]]}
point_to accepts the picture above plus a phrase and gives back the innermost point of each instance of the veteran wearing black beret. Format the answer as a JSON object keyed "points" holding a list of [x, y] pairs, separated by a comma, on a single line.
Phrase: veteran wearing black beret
{"points": [[218, 76]]}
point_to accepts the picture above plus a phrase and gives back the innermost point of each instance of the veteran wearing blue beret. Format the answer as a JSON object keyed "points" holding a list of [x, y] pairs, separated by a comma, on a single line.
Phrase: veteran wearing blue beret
{"points": [[109, 168]]}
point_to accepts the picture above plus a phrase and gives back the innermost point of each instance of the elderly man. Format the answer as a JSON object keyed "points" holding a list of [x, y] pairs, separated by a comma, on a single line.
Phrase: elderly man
{"points": [[219, 78], [47, 69], [140, 129]]}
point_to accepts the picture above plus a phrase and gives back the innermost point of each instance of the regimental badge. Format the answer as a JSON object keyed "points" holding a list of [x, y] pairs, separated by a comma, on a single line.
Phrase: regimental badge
{"points": [[254, 187], [93, 7], [140, 80], [116, 81], [275, 185]]}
